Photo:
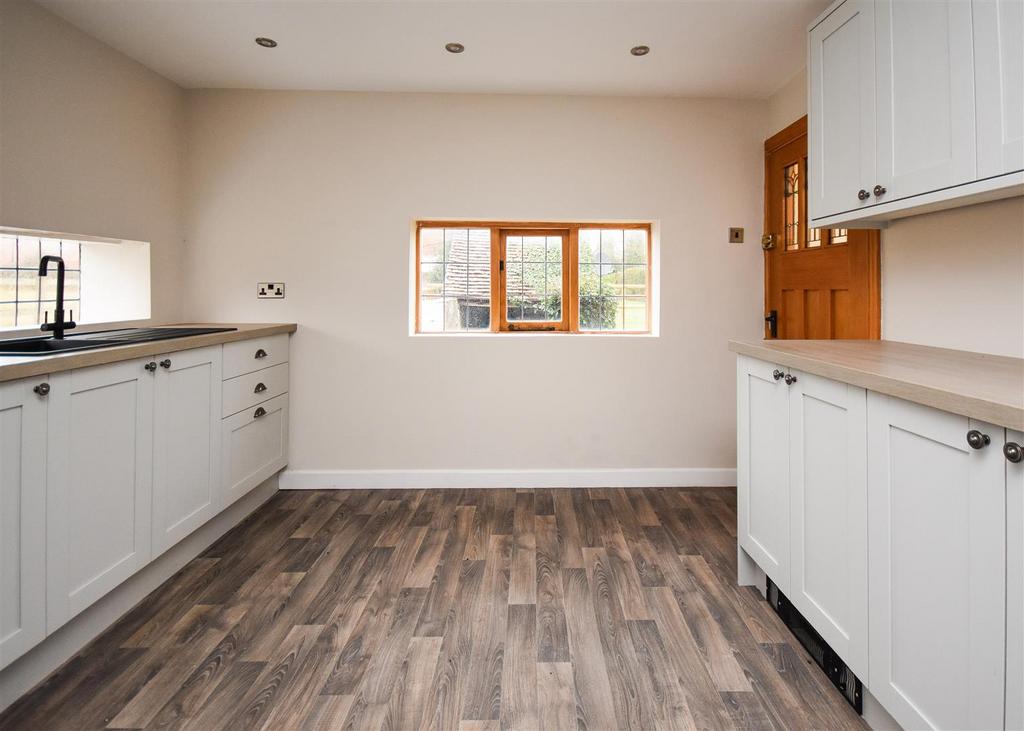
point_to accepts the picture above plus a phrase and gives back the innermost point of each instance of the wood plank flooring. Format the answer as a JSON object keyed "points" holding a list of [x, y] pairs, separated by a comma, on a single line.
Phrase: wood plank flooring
{"points": [[469, 610]]}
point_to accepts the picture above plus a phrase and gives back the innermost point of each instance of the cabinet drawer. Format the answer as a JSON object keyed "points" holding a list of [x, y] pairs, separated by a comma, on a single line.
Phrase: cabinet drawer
{"points": [[255, 444], [243, 392], [246, 356]]}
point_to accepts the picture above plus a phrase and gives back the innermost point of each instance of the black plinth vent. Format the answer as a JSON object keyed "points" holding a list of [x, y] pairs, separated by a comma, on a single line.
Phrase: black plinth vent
{"points": [[833, 666]]}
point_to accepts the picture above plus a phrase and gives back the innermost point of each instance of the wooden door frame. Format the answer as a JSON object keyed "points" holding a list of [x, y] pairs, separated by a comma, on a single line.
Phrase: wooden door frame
{"points": [[780, 139]]}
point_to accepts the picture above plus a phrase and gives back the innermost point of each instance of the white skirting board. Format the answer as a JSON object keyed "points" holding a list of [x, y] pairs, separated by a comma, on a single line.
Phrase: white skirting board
{"points": [[33, 667], [419, 479]]}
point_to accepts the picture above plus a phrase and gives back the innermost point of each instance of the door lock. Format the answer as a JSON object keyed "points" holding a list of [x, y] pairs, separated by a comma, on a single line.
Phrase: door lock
{"points": [[772, 318]]}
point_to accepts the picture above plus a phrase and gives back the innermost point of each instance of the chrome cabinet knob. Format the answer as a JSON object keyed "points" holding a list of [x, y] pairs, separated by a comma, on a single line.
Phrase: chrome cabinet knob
{"points": [[879, 190], [1013, 452], [259, 412], [261, 353], [151, 366], [863, 195], [44, 388], [977, 440], [790, 379], [777, 374], [260, 388], [165, 363]]}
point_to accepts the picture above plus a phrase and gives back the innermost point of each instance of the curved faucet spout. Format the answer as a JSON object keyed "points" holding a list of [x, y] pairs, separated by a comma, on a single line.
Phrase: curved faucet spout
{"points": [[59, 324]]}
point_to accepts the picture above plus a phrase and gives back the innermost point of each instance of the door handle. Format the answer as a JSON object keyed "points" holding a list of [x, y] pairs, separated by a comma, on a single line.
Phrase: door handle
{"points": [[1013, 452], [42, 389], [151, 366], [772, 318], [777, 374], [165, 363], [790, 379]]}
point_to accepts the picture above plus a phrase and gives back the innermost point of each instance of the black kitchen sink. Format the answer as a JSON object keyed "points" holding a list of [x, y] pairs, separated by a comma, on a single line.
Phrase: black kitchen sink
{"points": [[102, 339]]}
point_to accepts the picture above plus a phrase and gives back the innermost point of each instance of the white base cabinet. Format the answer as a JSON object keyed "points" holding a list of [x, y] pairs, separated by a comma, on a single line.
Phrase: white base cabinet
{"points": [[897, 531], [104, 468], [829, 513], [762, 469], [186, 444], [22, 518], [937, 564], [99, 483]]}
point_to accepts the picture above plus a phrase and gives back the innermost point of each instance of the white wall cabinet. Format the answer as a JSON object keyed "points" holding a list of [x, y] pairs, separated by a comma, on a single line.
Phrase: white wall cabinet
{"points": [[828, 513], [762, 466], [99, 483], [841, 119], [999, 74], [937, 566], [913, 106], [22, 517], [186, 443]]}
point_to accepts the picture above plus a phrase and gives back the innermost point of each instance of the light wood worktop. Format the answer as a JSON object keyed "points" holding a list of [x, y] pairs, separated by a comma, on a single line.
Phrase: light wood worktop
{"points": [[14, 367], [985, 387]]}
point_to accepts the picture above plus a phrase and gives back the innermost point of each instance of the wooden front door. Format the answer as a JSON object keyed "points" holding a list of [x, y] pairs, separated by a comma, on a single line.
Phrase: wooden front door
{"points": [[819, 283]]}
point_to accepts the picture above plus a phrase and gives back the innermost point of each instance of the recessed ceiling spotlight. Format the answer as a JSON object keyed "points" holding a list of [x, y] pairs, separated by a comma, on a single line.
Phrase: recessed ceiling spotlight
{"points": [[454, 47], [640, 50], [266, 42]]}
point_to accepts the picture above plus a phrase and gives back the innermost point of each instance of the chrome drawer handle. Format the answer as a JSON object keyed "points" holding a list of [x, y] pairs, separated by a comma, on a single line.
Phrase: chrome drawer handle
{"points": [[42, 389], [1013, 452], [165, 363], [151, 366], [259, 412], [261, 353], [260, 388]]}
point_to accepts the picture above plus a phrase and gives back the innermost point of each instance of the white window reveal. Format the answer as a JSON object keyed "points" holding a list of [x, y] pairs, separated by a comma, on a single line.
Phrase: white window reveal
{"points": [[104, 280]]}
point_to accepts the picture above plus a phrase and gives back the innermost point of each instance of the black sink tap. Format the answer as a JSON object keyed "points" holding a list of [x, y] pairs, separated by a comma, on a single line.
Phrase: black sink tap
{"points": [[59, 324]]}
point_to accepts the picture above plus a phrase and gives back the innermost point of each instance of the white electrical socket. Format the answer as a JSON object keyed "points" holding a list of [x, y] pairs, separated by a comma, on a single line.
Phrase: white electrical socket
{"points": [[270, 290]]}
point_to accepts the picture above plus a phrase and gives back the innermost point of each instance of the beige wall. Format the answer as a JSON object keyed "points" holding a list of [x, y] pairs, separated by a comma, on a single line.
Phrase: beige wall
{"points": [[955, 279], [91, 142], [787, 104], [318, 189], [952, 279]]}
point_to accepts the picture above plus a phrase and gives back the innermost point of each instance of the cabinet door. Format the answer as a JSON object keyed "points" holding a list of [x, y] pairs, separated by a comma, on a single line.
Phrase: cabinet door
{"points": [[925, 97], [255, 447], [762, 467], [937, 567], [99, 483], [841, 132], [999, 76], [186, 443], [1015, 588], [22, 518], [829, 504]]}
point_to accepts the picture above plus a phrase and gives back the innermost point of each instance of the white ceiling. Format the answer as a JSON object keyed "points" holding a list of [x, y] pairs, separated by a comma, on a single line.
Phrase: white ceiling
{"points": [[707, 48]]}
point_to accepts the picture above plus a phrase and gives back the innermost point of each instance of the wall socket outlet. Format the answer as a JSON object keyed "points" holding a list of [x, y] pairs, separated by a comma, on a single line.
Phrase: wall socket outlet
{"points": [[270, 290], [735, 235]]}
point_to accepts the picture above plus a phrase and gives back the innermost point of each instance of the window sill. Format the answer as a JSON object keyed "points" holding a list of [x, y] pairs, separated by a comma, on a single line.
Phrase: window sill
{"points": [[535, 334]]}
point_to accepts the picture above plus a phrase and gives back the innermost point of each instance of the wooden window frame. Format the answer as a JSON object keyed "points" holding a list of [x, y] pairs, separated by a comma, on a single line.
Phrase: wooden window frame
{"points": [[570, 323]]}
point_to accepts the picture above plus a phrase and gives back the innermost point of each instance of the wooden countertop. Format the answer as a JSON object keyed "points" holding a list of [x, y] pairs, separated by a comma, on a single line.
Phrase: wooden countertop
{"points": [[985, 387], [13, 367]]}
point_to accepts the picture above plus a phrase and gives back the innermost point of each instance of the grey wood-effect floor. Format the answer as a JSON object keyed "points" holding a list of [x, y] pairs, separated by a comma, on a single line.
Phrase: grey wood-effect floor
{"points": [[452, 609]]}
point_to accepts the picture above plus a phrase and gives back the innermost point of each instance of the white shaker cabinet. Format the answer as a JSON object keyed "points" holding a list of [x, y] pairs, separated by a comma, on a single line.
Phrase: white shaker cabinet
{"points": [[22, 516], [1013, 450], [762, 469], [841, 120], [924, 98], [255, 446], [99, 483], [937, 566], [913, 107], [828, 518], [999, 74], [186, 443]]}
